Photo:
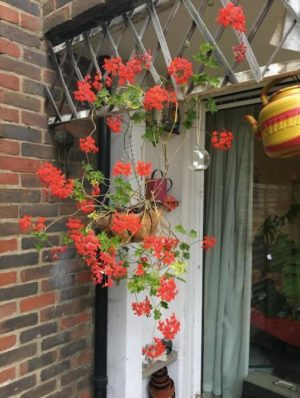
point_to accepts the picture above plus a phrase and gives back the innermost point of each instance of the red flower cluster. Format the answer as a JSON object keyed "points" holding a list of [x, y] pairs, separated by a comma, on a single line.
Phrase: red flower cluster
{"points": [[162, 247], [181, 69], [112, 267], [167, 289], [114, 123], [25, 223], [126, 72], [232, 15], [86, 87], [170, 327], [125, 222], [121, 168], [55, 181], [222, 140], [239, 52], [154, 350], [88, 144], [158, 98], [170, 203], [95, 190], [142, 308], [143, 169], [139, 270], [86, 206], [56, 251], [208, 243], [40, 224]]}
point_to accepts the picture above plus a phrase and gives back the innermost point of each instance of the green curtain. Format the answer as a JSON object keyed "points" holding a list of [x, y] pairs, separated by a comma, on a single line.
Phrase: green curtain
{"points": [[227, 267]]}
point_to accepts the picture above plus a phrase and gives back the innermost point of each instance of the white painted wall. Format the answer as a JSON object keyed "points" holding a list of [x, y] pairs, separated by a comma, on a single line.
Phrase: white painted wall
{"points": [[128, 333]]}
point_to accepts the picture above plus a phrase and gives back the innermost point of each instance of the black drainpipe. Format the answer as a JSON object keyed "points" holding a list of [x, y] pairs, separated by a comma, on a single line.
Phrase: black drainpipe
{"points": [[101, 379]]}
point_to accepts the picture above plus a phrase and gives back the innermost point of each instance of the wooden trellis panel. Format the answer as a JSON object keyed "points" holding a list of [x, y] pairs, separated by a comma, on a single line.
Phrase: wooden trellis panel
{"points": [[84, 54]]}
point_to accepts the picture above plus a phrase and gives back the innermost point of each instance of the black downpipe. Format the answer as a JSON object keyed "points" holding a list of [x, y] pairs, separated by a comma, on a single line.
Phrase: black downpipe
{"points": [[101, 301]]}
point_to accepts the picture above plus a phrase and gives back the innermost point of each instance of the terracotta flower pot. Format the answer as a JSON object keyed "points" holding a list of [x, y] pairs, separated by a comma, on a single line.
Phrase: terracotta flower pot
{"points": [[161, 385]]}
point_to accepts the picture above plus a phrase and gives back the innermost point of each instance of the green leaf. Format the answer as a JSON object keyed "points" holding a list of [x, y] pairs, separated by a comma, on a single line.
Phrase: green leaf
{"points": [[164, 305], [179, 228], [211, 105], [156, 314], [193, 234]]}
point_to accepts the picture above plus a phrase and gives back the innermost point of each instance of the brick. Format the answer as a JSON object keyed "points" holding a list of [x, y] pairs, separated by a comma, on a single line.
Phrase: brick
{"points": [[25, 5], [9, 48], [9, 81], [6, 278], [71, 321], [48, 7], [41, 151], [66, 392], [73, 307], [8, 14], [30, 243], [8, 211], [74, 375], [36, 120], [85, 358], [19, 164], [13, 389], [30, 22], [46, 210], [9, 114], [56, 340], [18, 35], [72, 348], [7, 228], [9, 179], [60, 282], [48, 76], [57, 18], [82, 330], [9, 147], [8, 374], [20, 68], [7, 245], [41, 391], [36, 58], [18, 322], [7, 342], [22, 101], [19, 260], [22, 133], [24, 290], [30, 181], [15, 355], [7, 310], [35, 302], [74, 292], [54, 370], [33, 87], [38, 362], [83, 277], [38, 332], [19, 195]]}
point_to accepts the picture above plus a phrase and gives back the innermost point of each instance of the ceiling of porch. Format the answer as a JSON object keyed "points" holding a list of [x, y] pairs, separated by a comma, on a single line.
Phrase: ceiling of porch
{"points": [[170, 28]]}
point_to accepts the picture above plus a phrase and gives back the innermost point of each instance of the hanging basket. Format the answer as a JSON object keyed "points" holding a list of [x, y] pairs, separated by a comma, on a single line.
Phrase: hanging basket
{"points": [[149, 219]]}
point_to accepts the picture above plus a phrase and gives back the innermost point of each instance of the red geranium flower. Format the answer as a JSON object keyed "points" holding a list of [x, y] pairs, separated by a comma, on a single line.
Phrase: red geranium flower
{"points": [[121, 168], [158, 98], [84, 91], [170, 327], [142, 308], [55, 181], [143, 169], [114, 123], [239, 52], [222, 140], [86, 206], [25, 223], [232, 15], [167, 289], [125, 222], [87, 145], [40, 224], [154, 350], [208, 243], [181, 69]]}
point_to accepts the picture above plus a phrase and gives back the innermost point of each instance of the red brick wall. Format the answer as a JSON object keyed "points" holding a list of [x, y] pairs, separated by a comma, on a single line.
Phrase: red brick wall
{"points": [[46, 309]]}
